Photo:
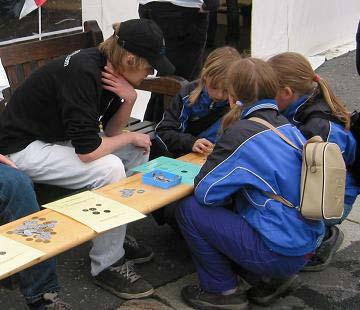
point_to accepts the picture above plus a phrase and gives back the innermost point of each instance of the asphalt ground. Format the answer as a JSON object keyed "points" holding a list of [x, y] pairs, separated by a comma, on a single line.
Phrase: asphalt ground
{"points": [[338, 287]]}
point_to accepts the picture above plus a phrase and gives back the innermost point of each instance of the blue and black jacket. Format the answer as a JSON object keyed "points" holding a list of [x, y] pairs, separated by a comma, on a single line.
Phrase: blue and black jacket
{"points": [[249, 160], [313, 117], [182, 124]]}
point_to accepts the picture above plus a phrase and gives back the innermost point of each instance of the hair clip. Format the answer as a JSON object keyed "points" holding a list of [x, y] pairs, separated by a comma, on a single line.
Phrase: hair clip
{"points": [[239, 103], [316, 78]]}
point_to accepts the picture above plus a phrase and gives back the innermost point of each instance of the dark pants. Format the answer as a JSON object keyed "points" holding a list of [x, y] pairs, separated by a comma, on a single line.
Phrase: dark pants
{"points": [[17, 199], [185, 32], [218, 238]]}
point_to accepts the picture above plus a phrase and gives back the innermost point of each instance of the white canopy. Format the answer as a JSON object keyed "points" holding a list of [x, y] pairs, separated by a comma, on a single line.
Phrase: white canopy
{"points": [[306, 26], [318, 29]]}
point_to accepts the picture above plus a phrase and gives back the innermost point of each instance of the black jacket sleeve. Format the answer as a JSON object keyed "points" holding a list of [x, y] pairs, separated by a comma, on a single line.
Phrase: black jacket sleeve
{"points": [[169, 133], [80, 96]]}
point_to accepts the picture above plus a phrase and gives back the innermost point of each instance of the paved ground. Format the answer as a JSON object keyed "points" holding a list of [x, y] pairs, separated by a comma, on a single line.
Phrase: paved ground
{"points": [[336, 288]]}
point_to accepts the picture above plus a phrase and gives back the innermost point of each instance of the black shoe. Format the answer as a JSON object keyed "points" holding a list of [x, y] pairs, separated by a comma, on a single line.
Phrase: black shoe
{"points": [[199, 299], [326, 251], [136, 253], [265, 293], [124, 282], [49, 301]]}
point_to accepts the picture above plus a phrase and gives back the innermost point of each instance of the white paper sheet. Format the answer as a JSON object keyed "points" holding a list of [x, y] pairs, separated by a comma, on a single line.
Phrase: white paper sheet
{"points": [[97, 212], [14, 254]]}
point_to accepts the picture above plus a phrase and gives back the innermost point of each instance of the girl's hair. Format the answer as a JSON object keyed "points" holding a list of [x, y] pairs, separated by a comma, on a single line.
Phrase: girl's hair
{"points": [[295, 71], [249, 80], [117, 54], [214, 70]]}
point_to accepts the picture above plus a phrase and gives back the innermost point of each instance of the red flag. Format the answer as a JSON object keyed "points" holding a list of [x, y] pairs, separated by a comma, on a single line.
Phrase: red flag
{"points": [[29, 6]]}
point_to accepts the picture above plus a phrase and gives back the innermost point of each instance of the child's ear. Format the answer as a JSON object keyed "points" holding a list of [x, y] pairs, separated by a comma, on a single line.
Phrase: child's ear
{"points": [[130, 60], [287, 92]]}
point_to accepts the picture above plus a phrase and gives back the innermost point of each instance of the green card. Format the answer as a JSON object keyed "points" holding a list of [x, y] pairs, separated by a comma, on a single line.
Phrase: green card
{"points": [[188, 171]]}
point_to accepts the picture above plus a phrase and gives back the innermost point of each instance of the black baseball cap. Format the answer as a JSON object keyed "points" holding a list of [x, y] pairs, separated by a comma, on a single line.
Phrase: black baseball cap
{"points": [[144, 38]]}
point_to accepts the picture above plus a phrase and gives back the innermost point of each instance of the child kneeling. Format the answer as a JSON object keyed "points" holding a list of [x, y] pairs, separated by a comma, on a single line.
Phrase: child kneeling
{"points": [[233, 229]]}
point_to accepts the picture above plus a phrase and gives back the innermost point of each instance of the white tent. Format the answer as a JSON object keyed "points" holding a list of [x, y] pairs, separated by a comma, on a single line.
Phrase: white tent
{"points": [[306, 26], [318, 29], [323, 27]]}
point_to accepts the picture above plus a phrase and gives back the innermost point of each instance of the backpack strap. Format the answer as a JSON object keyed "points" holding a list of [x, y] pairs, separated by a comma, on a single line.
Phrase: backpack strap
{"points": [[280, 199], [277, 131], [274, 129]]}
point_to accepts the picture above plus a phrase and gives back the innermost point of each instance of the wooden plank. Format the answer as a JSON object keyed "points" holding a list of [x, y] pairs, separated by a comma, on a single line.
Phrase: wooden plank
{"points": [[140, 125], [70, 233], [166, 85], [51, 48], [27, 69]]}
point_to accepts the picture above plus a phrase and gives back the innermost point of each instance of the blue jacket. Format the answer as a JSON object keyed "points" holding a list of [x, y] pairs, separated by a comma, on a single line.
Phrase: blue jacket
{"points": [[313, 117], [182, 124], [248, 160]]}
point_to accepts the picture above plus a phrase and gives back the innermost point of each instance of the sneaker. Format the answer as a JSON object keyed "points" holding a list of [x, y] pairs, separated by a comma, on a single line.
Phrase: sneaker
{"points": [[49, 301], [195, 297], [326, 251], [136, 253], [265, 293], [124, 282]]}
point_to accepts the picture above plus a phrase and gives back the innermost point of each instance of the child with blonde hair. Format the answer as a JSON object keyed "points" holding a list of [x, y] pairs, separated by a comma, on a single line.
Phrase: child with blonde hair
{"points": [[192, 121], [232, 226], [308, 102]]}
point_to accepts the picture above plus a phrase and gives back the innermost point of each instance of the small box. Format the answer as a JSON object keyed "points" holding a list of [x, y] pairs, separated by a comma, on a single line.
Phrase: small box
{"points": [[161, 178]]}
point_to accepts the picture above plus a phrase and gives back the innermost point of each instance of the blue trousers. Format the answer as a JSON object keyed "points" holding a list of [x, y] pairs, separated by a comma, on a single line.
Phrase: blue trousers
{"points": [[223, 245], [17, 199]]}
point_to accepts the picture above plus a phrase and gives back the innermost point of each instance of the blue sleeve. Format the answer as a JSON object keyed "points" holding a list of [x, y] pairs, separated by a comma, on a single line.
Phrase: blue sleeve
{"points": [[224, 172]]}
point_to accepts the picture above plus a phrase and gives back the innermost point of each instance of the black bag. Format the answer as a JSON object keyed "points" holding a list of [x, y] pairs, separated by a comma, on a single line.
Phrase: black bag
{"points": [[355, 129]]}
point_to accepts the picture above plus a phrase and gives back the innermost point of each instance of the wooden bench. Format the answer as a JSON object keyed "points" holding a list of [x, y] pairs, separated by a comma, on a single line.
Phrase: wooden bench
{"points": [[20, 59], [70, 233]]}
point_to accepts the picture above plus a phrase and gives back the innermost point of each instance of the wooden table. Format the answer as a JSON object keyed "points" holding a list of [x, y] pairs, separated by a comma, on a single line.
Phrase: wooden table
{"points": [[70, 233]]}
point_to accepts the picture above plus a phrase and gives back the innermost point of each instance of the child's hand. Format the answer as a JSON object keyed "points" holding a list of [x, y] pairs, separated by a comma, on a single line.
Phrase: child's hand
{"points": [[140, 140], [117, 84], [6, 161], [202, 146]]}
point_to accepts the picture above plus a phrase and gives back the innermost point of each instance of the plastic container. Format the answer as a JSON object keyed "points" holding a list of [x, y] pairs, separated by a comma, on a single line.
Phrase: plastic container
{"points": [[161, 178]]}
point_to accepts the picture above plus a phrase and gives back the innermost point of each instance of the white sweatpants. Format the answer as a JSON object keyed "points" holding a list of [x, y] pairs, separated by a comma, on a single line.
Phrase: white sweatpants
{"points": [[58, 164]]}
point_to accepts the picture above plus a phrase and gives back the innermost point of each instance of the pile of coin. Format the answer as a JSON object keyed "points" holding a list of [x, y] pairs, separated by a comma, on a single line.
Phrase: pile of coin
{"points": [[128, 192], [36, 229]]}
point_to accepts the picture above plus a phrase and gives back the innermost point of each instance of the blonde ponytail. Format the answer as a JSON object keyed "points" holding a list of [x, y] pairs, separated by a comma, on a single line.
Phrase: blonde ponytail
{"points": [[249, 80], [294, 71]]}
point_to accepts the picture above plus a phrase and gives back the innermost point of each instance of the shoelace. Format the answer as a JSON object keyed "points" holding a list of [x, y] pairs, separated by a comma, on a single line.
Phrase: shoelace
{"points": [[56, 302], [131, 241], [127, 270], [199, 290]]}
